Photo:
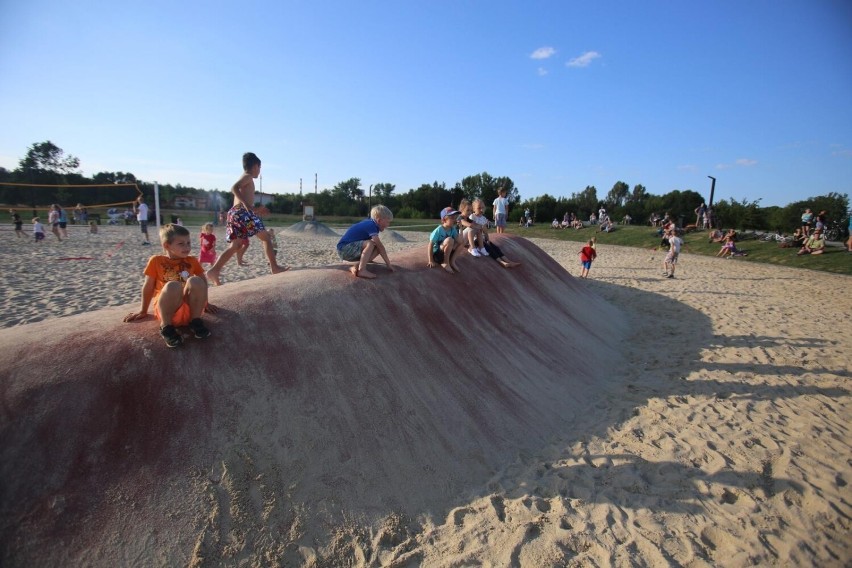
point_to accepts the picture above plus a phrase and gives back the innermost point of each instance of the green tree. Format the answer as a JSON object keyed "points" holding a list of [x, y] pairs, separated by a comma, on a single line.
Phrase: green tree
{"points": [[46, 158], [617, 196]]}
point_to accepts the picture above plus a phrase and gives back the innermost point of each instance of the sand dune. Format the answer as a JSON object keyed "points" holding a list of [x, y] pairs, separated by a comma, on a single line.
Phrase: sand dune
{"points": [[492, 418]]}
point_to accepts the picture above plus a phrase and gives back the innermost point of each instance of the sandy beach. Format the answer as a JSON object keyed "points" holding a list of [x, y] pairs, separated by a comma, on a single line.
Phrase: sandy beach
{"points": [[723, 437]]}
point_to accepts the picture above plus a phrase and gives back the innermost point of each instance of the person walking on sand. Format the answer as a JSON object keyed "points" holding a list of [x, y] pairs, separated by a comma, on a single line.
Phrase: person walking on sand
{"points": [[361, 243], [18, 222], [587, 255], [670, 262], [141, 210], [242, 221], [38, 230], [53, 221], [501, 210], [207, 241]]}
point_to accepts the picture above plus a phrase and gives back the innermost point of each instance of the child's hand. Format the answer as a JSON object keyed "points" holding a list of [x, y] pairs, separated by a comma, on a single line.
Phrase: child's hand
{"points": [[135, 316], [211, 309], [430, 264]]}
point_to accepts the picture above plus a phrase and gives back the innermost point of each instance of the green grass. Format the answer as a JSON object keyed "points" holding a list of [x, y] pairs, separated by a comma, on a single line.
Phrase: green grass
{"points": [[835, 259]]}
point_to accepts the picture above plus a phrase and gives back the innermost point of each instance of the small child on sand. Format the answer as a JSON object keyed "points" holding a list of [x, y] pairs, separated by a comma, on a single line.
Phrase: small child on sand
{"points": [[93, 227], [587, 255], [38, 230], [207, 252], [19, 224], [361, 243], [445, 242], [243, 222], [176, 286], [486, 247]]}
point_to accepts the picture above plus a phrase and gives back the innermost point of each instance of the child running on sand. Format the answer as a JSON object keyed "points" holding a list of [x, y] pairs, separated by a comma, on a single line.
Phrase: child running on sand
{"points": [[207, 252], [445, 242], [176, 286], [18, 222], [361, 243], [587, 255], [242, 221]]}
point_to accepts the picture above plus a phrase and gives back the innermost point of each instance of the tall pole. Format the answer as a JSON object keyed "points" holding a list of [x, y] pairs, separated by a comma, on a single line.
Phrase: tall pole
{"points": [[157, 205], [315, 187], [370, 199], [712, 190]]}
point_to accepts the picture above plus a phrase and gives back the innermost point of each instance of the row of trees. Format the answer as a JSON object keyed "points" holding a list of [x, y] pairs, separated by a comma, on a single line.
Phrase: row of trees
{"points": [[46, 163]]}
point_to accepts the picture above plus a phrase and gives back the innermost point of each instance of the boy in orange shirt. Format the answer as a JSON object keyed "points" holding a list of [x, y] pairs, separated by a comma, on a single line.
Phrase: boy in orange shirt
{"points": [[176, 285]]}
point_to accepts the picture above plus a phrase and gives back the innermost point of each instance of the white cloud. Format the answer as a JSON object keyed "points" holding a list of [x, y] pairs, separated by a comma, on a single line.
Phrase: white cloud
{"points": [[542, 71], [584, 60], [687, 167], [543, 53], [746, 162], [843, 153]]}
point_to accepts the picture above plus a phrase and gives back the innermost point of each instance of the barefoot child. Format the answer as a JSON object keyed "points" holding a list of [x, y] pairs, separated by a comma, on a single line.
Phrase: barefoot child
{"points": [[445, 242], [207, 252], [176, 286], [361, 243], [243, 222], [587, 256]]}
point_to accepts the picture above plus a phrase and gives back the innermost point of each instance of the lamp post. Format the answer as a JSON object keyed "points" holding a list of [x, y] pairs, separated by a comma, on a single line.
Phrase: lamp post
{"points": [[712, 190], [712, 215]]}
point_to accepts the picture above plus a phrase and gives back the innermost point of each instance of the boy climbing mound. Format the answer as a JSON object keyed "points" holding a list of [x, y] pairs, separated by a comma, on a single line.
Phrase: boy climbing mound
{"points": [[176, 286], [242, 222], [361, 243]]}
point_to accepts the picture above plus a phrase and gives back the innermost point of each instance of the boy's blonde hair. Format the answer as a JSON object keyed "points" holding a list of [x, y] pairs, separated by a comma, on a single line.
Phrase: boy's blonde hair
{"points": [[207, 227], [381, 212], [170, 231]]}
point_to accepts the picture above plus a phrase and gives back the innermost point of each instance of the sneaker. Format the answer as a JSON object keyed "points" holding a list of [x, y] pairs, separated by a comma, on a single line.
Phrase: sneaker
{"points": [[171, 335], [474, 252], [666, 274], [146, 243], [199, 329], [670, 276], [483, 252]]}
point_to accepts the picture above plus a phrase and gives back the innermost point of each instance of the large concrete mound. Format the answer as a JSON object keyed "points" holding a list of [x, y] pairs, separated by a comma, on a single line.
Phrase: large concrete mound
{"points": [[321, 401], [311, 228]]}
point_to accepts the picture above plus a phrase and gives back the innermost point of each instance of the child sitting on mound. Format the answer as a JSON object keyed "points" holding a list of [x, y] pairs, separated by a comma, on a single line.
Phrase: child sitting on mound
{"points": [[445, 242], [361, 243], [176, 286]]}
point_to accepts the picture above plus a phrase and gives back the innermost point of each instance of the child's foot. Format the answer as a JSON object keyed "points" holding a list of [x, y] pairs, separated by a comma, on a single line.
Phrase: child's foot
{"points": [[474, 252], [448, 268], [365, 274], [242, 263], [199, 329], [213, 276], [454, 267], [276, 269], [482, 251], [171, 335], [670, 276]]}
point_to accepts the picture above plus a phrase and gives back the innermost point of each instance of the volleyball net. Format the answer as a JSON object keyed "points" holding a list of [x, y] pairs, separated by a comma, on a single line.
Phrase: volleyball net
{"points": [[40, 196]]}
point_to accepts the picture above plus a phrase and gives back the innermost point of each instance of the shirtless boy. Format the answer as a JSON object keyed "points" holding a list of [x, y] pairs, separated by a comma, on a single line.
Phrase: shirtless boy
{"points": [[242, 221]]}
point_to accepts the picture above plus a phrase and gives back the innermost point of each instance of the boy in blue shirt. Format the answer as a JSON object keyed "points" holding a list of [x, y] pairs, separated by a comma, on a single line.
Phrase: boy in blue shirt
{"points": [[445, 242], [360, 243]]}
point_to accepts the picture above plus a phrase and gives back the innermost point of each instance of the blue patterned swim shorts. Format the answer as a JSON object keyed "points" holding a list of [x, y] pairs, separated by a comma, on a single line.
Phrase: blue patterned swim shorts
{"points": [[242, 224]]}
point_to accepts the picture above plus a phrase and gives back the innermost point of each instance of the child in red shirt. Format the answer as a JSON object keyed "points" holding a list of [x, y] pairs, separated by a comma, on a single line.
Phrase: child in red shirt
{"points": [[587, 255]]}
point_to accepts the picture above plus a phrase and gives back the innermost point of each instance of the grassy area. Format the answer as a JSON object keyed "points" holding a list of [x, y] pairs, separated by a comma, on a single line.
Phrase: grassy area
{"points": [[835, 259]]}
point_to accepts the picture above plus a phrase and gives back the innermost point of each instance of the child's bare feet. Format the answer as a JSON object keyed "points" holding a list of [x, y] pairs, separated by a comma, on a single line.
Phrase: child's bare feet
{"points": [[276, 268], [242, 263], [365, 274], [448, 268], [213, 276], [454, 266]]}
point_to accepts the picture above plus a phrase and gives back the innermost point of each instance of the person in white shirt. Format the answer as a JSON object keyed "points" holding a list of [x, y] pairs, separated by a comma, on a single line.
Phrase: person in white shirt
{"points": [[501, 211], [141, 210], [670, 262]]}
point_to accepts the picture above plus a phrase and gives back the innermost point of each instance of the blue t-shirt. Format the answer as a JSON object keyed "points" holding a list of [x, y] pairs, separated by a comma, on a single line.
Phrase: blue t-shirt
{"points": [[360, 231], [440, 233]]}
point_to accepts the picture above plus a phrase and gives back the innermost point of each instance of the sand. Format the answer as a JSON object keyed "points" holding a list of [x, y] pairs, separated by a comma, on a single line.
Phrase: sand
{"points": [[705, 421]]}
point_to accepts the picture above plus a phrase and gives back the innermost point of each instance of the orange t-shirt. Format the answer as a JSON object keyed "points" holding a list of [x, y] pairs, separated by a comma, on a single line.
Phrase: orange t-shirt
{"points": [[164, 269]]}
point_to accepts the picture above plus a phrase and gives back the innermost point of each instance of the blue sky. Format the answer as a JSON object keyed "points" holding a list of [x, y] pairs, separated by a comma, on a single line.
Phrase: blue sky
{"points": [[555, 95]]}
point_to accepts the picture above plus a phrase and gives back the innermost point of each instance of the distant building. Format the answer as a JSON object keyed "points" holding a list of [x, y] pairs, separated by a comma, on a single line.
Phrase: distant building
{"points": [[190, 202]]}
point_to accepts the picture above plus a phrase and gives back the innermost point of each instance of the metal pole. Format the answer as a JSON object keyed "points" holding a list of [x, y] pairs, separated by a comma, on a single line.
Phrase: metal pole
{"points": [[712, 190], [370, 199], [157, 205]]}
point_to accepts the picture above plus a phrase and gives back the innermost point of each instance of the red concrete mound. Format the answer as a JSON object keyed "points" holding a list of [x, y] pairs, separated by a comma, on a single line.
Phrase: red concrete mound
{"points": [[319, 397]]}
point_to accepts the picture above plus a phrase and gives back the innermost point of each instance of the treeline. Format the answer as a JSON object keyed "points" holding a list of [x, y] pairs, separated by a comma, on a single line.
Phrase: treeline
{"points": [[46, 163]]}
